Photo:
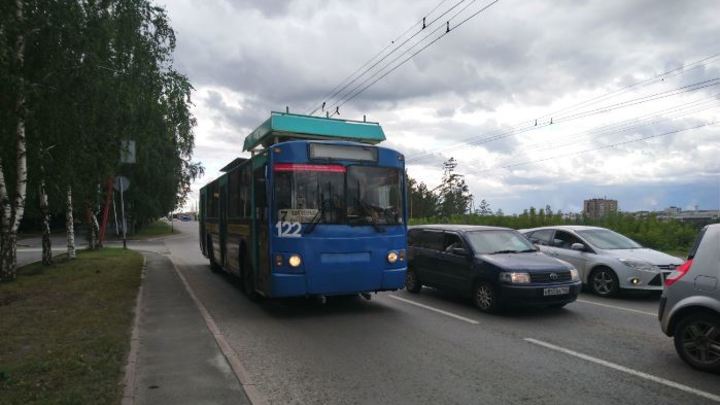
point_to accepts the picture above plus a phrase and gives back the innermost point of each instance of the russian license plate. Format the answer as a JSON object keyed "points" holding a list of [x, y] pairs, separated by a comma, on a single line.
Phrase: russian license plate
{"points": [[556, 291]]}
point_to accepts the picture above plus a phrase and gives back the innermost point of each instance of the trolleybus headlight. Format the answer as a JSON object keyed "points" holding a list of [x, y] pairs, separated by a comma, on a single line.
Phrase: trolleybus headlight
{"points": [[278, 260], [295, 261], [392, 256], [401, 255]]}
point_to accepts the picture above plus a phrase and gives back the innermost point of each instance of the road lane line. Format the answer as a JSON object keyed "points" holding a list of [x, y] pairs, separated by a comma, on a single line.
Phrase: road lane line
{"points": [[626, 370], [440, 311], [637, 311], [252, 393]]}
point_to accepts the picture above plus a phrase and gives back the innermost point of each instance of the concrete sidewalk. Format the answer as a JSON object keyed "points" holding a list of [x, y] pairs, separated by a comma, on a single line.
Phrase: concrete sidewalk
{"points": [[175, 359]]}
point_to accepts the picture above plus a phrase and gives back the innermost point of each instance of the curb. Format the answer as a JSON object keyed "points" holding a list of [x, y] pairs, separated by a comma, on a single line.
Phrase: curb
{"points": [[128, 381], [251, 391]]}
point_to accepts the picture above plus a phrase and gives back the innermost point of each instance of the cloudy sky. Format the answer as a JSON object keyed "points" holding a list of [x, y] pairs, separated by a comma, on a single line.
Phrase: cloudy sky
{"points": [[620, 128]]}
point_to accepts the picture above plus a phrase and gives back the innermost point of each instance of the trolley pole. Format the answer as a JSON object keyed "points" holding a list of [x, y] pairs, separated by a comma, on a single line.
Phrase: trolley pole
{"points": [[122, 213]]}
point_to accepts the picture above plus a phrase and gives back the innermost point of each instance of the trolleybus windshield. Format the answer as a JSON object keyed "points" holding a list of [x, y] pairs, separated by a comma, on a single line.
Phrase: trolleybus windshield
{"points": [[335, 194]]}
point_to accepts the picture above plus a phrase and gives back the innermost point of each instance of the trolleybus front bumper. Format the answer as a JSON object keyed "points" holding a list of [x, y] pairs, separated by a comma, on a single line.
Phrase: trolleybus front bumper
{"points": [[292, 285]]}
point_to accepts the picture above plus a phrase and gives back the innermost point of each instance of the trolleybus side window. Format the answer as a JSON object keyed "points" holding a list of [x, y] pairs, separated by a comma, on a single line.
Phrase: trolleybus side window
{"points": [[260, 194], [213, 200], [234, 208]]}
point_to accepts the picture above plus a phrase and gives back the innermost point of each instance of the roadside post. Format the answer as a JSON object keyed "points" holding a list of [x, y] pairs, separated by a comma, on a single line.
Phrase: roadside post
{"points": [[121, 184], [127, 156]]}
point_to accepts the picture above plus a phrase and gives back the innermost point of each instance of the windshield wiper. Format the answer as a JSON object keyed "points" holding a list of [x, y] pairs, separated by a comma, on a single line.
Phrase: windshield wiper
{"points": [[497, 252], [317, 218], [369, 211]]}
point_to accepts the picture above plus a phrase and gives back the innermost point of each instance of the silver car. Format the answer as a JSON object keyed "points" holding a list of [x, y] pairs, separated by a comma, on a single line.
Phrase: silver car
{"points": [[607, 261], [690, 304]]}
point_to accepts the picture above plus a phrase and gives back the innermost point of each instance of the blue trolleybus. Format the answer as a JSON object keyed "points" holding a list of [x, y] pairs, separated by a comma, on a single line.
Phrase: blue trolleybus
{"points": [[317, 210]]}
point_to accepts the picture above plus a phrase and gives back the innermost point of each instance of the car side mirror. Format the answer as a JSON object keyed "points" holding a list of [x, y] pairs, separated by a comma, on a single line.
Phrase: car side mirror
{"points": [[459, 251], [578, 246]]}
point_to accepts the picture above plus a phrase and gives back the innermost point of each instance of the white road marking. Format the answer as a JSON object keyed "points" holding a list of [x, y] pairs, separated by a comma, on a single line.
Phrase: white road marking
{"points": [[626, 370], [637, 311], [33, 250], [440, 311]]}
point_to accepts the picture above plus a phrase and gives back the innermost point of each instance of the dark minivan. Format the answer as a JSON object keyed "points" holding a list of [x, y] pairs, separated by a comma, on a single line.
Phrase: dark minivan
{"points": [[497, 267]]}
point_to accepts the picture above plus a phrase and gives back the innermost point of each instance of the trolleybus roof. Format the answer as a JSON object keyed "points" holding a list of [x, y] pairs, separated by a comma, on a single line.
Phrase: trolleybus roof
{"points": [[296, 126]]}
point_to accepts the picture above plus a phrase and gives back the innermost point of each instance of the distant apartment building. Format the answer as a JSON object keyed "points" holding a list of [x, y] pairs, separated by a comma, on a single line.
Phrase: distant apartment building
{"points": [[597, 208]]}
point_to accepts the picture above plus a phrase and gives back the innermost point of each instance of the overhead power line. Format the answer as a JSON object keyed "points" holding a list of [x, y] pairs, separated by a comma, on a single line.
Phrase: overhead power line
{"points": [[595, 149], [657, 78], [537, 123], [667, 114], [531, 126]]}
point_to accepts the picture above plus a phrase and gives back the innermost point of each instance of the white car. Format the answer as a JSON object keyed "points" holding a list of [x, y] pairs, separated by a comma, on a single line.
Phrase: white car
{"points": [[607, 261]]}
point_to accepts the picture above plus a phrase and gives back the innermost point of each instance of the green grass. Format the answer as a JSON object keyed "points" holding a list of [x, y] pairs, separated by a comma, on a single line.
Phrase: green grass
{"points": [[65, 329], [681, 253], [157, 228]]}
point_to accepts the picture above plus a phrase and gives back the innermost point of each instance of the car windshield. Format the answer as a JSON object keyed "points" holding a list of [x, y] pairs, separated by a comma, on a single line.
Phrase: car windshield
{"points": [[607, 239], [335, 194], [500, 241]]}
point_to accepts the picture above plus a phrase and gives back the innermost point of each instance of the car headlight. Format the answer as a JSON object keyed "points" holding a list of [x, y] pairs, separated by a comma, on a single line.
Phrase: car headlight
{"points": [[295, 260], [640, 266], [515, 277], [574, 275], [392, 256]]}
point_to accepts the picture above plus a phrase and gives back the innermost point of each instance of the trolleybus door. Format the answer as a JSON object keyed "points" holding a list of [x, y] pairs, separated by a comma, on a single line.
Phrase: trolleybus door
{"points": [[223, 220]]}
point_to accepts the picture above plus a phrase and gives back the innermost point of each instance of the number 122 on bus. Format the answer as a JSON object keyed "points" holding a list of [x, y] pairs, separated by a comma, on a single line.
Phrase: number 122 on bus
{"points": [[317, 210]]}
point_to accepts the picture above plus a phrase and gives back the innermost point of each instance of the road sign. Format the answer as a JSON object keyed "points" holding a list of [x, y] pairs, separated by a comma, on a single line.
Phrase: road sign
{"points": [[121, 183]]}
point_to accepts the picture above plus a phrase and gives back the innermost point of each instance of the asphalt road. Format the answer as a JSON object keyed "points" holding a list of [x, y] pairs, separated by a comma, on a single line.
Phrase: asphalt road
{"points": [[434, 348]]}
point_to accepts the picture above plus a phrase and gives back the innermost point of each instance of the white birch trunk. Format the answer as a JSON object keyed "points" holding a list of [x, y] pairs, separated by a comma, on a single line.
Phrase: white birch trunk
{"points": [[8, 259], [5, 218], [93, 229], [69, 224], [45, 216]]}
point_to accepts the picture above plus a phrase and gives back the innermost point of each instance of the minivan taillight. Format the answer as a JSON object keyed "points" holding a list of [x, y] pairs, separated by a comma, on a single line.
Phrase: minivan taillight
{"points": [[678, 273]]}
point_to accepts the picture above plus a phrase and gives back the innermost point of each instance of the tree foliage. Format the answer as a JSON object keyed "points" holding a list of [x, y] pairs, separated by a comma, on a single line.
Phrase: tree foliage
{"points": [[97, 73]]}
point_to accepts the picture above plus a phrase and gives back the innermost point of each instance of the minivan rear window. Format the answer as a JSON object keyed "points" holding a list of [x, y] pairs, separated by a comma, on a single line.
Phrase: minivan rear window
{"points": [[696, 244]]}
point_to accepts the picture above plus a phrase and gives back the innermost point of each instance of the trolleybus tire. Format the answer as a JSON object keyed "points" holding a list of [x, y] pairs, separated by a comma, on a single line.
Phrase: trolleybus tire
{"points": [[248, 285], [214, 267]]}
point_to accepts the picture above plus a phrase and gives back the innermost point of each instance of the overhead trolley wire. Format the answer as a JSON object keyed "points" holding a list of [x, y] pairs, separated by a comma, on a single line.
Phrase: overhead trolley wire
{"points": [[357, 90], [339, 87]]}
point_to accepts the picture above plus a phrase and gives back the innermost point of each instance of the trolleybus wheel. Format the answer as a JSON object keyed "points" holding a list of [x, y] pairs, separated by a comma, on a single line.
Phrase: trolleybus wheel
{"points": [[214, 267], [248, 284]]}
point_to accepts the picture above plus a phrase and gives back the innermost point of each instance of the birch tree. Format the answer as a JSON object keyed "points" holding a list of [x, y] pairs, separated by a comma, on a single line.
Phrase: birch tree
{"points": [[14, 207]]}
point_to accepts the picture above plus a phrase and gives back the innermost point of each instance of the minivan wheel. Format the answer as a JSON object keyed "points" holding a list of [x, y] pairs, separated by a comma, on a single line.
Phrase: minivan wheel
{"points": [[604, 282], [485, 298], [697, 341], [412, 284]]}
